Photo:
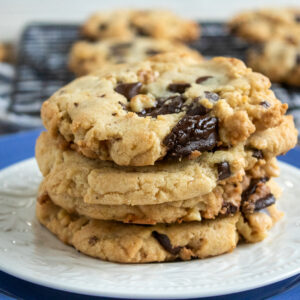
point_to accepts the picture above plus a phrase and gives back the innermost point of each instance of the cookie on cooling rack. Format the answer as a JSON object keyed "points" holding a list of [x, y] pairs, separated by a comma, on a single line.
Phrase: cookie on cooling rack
{"points": [[126, 24]]}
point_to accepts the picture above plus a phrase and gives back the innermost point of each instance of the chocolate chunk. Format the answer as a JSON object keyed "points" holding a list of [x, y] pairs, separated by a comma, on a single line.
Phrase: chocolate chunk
{"points": [[265, 104], [229, 208], [203, 78], [257, 192], [297, 18], [165, 243], [223, 170], [93, 240], [298, 59], [192, 133], [169, 105], [178, 87], [128, 90], [120, 48], [151, 52], [102, 26], [211, 96], [252, 187], [140, 31], [195, 108], [175, 104], [264, 202], [257, 154]]}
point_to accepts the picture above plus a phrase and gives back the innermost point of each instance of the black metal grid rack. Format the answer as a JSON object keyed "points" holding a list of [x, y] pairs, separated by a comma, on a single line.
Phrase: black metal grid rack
{"points": [[42, 64]]}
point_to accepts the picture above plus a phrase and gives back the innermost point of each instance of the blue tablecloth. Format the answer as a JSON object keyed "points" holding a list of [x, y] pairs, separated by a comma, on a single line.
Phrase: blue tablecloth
{"points": [[16, 147]]}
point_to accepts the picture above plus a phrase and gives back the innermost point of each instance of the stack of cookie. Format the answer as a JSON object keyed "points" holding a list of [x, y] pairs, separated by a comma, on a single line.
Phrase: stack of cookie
{"points": [[128, 36], [169, 158], [276, 33]]}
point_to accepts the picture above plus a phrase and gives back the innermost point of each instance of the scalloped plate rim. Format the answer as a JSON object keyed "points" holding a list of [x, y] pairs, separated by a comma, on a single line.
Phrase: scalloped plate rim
{"points": [[134, 294]]}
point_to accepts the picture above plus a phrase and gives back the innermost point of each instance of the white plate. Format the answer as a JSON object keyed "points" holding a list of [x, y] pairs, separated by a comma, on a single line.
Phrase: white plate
{"points": [[30, 252]]}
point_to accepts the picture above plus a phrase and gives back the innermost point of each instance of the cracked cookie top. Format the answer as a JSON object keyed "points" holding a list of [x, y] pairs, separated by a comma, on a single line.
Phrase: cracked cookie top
{"points": [[171, 107], [86, 57], [126, 24]]}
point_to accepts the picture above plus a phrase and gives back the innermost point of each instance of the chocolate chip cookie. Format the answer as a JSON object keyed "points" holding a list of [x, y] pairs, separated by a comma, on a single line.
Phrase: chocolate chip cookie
{"points": [[126, 24], [266, 24], [86, 57], [225, 199], [128, 243], [169, 107], [278, 59], [102, 182]]}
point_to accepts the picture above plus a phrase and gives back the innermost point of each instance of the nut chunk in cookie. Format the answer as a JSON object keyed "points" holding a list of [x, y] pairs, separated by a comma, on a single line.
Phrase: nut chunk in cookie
{"points": [[170, 106], [126, 24]]}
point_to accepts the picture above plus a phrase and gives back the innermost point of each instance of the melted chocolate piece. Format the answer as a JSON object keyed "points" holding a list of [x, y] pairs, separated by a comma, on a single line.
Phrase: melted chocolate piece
{"points": [[140, 31], [164, 106], [197, 109], [211, 96], [151, 52], [93, 240], [252, 187], [192, 133], [203, 78], [248, 205], [230, 209], [175, 104], [165, 243], [298, 59], [223, 170], [178, 87], [264, 202], [265, 104], [257, 154], [102, 26], [128, 90]]}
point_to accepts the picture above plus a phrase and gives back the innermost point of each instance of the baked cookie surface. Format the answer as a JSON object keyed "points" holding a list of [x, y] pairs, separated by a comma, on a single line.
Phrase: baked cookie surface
{"points": [[277, 59], [86, 57], [266, 24], [170, 106], [126, 24]]}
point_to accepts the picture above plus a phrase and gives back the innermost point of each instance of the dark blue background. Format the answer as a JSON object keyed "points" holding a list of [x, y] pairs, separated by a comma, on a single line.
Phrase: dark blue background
{"points": [[16, 147]]}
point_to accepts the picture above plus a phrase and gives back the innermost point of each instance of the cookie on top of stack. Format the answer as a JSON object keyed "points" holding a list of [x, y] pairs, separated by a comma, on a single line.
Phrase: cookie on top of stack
{"points": [[277, 34], [169, 158], [127, 36]]}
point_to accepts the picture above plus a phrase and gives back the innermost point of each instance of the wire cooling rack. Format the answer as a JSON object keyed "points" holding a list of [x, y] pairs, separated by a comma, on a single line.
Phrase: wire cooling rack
{"points": [[42, 66]]}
